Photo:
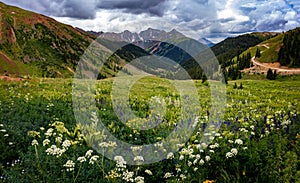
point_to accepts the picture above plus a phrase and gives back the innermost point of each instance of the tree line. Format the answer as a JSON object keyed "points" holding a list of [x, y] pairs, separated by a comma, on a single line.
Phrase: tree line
{"points": [[289, 53]]}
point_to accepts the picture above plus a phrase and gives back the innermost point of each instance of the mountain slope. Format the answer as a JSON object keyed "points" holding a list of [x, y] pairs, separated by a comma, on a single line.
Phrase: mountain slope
{"points": [[280, 53], [284, 49], [33, 44], [233, 46]]}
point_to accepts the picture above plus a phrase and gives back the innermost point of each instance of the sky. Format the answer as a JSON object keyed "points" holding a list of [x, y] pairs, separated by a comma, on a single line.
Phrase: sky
{"points": [[214, 20]]}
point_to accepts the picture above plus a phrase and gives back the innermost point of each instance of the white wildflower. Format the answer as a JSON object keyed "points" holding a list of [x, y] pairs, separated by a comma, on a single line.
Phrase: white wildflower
{"points": [[234, 151], [108, 144], [139, 179], [34, 143], [93, 159], [66, 144], [121, 163], [238, 141], [178, 169], [182, 176], [181, 157], [201, 162], [127, 176], [229, 155], [88, 153], [170, 155], [69, 165], [148, 172], [49, 132], [81, 159], [46, 142], [168, 175], [58, 140], [55, 151], [207, 158], [138, 158]]}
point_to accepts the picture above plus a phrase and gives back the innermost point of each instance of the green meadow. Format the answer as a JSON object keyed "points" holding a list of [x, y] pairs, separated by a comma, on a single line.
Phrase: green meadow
{"points": [[257, 140]]}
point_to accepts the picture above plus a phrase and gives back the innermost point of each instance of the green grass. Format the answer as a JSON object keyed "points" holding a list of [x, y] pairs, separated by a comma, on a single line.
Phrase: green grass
{"points": [[26, 107]]}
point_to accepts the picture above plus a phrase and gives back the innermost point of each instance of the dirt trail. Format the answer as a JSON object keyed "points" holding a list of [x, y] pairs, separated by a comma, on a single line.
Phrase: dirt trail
{"points": [[264, 45], [263, 68], [7, 78]]}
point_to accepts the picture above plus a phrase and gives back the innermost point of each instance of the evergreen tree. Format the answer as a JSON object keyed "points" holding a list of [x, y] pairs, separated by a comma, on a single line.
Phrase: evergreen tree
{"points": [[241, 86], [248, 61], [257, 54], [204, 78], [240, 75], [235, 73], [235, 86], [270, 74], [225, 75]]}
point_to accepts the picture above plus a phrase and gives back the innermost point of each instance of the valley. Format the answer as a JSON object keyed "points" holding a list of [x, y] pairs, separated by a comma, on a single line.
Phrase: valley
{"points": [[149, 106]]}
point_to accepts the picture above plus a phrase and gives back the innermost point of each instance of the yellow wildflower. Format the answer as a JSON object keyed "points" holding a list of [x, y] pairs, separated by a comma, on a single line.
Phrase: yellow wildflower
{"points": [[208, 181]]}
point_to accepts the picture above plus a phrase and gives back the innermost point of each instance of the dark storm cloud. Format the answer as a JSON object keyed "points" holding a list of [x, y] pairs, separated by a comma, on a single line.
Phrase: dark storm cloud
{"points": [[271, 25], [153, 7], [61, 8], [86, 9]]}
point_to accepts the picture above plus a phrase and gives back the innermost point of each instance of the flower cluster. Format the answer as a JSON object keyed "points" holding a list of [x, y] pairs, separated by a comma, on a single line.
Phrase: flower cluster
{"points": [[70, 165]]}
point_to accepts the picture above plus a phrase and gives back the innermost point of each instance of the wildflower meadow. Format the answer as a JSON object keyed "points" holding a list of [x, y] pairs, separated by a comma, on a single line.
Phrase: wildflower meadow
{"points": [[258, 139]]}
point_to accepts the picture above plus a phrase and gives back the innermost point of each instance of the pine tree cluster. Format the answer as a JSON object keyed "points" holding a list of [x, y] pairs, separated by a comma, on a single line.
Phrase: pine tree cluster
{"points": [[289, 53], [242, 62]]}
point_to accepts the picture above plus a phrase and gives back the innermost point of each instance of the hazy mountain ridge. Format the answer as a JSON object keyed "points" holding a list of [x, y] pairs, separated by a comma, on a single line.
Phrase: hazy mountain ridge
{"points": [[143, 36]]}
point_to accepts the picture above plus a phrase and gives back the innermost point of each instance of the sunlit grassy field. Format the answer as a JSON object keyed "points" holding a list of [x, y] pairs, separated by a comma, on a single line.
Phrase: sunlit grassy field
{"points": [[257, 140]]}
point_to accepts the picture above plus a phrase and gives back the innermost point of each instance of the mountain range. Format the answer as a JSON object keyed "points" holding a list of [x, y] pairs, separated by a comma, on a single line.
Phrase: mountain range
{"points": [[36, 45]]}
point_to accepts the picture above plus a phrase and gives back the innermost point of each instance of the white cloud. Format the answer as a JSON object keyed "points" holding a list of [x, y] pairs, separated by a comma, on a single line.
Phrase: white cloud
{"points": [[213, 19]]}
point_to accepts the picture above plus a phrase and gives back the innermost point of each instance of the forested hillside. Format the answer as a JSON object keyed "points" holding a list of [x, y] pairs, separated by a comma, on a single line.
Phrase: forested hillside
{"points": [[289, 53], [233, 46]]}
